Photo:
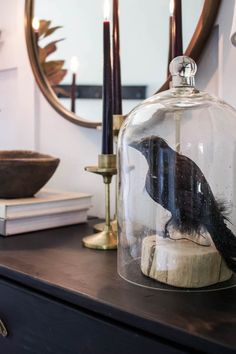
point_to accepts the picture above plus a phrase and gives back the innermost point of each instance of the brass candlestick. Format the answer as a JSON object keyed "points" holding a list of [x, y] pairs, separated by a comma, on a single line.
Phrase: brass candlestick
{"points": [[118, 120], [107, 238]]}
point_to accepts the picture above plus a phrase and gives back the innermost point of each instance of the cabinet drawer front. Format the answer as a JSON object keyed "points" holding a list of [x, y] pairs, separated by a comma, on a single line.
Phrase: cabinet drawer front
{"points": [[38, 325]]}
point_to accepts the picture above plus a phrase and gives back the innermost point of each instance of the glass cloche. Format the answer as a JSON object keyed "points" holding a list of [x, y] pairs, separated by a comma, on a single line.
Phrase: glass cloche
{"points": [[177, 188]]}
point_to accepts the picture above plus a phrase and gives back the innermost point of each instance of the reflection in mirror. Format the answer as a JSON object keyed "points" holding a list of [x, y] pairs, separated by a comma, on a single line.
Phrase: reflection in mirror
{"points": [[71, 55]]}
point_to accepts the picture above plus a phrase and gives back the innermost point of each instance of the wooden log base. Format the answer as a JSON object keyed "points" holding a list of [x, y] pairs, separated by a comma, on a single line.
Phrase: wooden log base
{"points": [[182, 263]]}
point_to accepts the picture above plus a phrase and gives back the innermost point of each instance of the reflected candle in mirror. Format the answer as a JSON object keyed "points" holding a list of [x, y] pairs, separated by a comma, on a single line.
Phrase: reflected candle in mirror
{"points": [[74, 64], [177, 34], [107, 123], [116, 70], [36, 25], [171, 28]]}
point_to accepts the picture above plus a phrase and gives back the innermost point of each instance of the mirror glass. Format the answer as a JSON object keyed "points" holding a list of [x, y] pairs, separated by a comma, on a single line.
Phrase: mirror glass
{"points": [[144, 41]]}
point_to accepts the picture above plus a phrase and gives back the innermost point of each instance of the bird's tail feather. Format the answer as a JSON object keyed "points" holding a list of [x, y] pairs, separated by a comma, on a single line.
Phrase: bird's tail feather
{"points": [[223, 238]]}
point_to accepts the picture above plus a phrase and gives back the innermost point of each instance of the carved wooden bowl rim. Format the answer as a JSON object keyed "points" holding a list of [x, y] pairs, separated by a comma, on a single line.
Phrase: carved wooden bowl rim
{"points": [[25, 156]]}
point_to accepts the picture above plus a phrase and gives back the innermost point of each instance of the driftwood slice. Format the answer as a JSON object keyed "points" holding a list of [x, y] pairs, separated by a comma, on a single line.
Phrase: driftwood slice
{"points": [[182, 263]]}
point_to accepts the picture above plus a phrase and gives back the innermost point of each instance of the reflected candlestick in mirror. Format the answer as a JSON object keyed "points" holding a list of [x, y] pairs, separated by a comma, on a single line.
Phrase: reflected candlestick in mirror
{"points": [[177, 33], [107, 123], [117, 89], [74, 64]]}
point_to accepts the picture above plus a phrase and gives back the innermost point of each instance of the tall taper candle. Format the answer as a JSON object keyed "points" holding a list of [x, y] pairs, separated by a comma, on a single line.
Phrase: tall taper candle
{"points": [[177, 34], [74, 64], [73, 92], [116, 71], [107, 123]]}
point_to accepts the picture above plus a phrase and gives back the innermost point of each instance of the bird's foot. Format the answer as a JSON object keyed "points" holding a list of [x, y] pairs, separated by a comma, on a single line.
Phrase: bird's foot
{"points": [[166, 234], [166, 230]]}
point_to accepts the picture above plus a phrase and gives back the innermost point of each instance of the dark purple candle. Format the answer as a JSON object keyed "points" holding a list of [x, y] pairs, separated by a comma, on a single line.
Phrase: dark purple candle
{"points": [[177, 35], [117, 90], [74, 65], [107, 123], [73, 92]]}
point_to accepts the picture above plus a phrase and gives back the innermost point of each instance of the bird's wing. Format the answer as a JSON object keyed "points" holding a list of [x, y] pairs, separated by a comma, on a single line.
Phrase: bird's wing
{"points": [[189, 177]]}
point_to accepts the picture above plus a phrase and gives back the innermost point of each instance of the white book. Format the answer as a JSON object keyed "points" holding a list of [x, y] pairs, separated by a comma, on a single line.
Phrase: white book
{"points": [[41, 222], [44, 203]]}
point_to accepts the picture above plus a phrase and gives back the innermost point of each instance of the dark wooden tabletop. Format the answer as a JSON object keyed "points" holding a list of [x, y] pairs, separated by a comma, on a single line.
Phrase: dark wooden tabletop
{"points": [[54, 263]]}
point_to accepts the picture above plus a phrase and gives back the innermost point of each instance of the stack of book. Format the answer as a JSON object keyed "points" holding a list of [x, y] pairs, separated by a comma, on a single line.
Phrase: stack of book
{"points": [[48, 209]]}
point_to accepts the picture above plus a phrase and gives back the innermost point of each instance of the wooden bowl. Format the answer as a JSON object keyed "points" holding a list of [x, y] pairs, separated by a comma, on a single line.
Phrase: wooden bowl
{"points": [[24, 173]]}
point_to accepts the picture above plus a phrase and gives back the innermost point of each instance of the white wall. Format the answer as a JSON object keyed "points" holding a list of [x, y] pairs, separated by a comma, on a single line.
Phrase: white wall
{"points": [[16, 80], [27, 121]]}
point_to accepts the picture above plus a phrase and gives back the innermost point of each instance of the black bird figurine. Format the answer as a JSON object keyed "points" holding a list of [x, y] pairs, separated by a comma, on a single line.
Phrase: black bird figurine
{"points": [[176, 183]]}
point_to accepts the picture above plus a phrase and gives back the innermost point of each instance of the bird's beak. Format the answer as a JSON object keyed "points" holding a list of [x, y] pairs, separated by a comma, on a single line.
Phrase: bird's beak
{"points": [[136, 145]]}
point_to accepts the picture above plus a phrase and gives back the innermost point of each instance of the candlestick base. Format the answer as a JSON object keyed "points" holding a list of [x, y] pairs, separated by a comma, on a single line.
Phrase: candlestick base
{"points": [[107, 238], [99, 227]]}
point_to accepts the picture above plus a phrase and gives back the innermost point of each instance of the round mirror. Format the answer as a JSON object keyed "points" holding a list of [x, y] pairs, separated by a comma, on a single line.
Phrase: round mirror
{"points": [[64, 41]]}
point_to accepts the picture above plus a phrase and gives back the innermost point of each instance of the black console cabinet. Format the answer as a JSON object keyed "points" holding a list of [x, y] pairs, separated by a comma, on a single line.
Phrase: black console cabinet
{"points": [[58, 297]]}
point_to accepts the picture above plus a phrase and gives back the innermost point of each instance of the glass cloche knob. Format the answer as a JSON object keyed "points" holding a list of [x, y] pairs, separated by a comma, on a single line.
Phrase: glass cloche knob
{"points": [[183, 70]]}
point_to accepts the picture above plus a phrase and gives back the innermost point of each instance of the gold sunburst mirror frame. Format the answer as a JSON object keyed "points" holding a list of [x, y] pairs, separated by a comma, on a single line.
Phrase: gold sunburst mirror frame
{"points": [[194, 50]]}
